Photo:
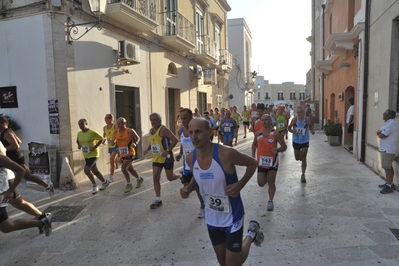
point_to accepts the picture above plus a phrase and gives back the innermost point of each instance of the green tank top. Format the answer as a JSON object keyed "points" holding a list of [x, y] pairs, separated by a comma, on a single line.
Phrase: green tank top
{"points": [[236, 117], [280, 122]]}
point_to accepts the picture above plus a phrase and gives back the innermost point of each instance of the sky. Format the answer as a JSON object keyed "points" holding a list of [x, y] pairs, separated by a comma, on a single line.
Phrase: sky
{"points": [[280, 51]]}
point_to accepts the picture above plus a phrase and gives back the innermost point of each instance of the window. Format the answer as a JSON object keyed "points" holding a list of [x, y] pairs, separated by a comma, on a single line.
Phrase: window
{"points": [[292, 96], [202, 102], [280, 96], [394, 75], [217, 40], [199, 28], [301, 95], [267, 96], [258, 95], [171, 16]]}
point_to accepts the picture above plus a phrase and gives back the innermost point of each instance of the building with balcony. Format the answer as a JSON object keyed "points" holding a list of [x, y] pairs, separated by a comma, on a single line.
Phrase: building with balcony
{"points": [[134, 58], [241, 83]]}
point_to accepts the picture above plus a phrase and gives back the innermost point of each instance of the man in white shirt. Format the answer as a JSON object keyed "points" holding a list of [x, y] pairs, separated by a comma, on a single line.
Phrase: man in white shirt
{"points": [[349, 121], [388, 135]]}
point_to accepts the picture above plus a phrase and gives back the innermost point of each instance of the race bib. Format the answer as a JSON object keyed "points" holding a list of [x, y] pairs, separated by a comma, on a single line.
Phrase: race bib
{"points": [[266, 161], [124, 150], [227, 129], [301, 131], [281, 125], [217, 203], [156, 149], [186, 152], [85, 149], [109, 141]]}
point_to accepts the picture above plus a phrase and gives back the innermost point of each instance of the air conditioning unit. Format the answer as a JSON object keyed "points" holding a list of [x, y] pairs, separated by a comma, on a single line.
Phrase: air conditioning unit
{"points": [[218, 98], [129, 52], [341, 96], [197, 72]]}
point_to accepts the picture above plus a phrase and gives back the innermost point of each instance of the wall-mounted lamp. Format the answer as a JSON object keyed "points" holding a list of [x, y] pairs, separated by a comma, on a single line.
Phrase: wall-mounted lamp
{"points": [[97, 7], [254, 74]]}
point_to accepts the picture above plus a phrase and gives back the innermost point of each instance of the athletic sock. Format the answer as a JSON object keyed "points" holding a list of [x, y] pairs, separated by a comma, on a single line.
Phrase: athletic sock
{"points": [[251, 234]]}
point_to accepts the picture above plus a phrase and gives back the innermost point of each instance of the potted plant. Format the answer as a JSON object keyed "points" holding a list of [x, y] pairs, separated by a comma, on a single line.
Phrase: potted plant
{"points": [[333, 131]]}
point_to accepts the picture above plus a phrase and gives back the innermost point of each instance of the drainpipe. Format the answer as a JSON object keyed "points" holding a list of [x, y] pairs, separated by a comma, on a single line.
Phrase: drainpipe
{"points": [[313, 88], [323, 6], [365, 81]]}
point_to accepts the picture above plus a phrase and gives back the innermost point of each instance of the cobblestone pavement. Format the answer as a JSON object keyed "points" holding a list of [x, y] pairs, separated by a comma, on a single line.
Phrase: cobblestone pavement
{"points": [[337, 218]]}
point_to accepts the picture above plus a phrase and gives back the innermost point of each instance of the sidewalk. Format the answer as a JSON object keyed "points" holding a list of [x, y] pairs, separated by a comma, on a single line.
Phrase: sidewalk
{"points": [[337, 218]]}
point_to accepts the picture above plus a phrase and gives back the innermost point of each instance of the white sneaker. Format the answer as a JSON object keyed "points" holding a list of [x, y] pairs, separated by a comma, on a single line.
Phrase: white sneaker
{"points": [[201, 214], [50, 189], [95, 189], [104, 185], [110, 179], [259, 237], [270, 206]]}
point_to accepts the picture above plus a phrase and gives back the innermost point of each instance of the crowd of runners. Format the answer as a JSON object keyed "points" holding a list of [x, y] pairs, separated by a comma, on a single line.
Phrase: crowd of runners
{"points": [[209, 165]]}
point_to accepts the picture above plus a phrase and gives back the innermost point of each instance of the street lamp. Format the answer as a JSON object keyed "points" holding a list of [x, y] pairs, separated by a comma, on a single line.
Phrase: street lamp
{"points": [[97, 7]]}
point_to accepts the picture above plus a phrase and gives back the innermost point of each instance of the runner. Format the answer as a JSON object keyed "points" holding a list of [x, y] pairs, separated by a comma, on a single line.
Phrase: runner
{"points": [[281, 121], [300, 127], [12, 143], [185, 148], [237, 117], [268, 156], [228, 126], [162, 142], [126, 140], [246, 118], [88, 141], [220, 188], [108, 134]]}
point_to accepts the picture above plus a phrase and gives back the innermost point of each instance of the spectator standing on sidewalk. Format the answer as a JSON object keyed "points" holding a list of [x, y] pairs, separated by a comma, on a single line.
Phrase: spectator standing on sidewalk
{"points": [[268, 156], [88, 141], [300, 127], [388, 134], [214, 170], [350, 121], [162, 142]]}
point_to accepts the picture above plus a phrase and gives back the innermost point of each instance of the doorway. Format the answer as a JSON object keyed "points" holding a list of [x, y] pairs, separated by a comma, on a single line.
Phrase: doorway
{"points": [[173, 109], [127, 105]]}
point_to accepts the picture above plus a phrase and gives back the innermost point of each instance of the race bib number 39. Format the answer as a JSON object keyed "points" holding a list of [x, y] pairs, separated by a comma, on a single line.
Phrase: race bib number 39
{"points": [[217, 203]]}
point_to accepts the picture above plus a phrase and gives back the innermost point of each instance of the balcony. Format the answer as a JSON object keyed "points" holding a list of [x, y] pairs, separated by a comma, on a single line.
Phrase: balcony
{"points": [[225, 58], [139, 15], [206, 50], [178, 32]]}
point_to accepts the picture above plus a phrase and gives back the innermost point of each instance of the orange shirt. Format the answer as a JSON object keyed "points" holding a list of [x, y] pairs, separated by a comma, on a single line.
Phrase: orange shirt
{"points": [[124, 143], [266, 158], [258, 125]]}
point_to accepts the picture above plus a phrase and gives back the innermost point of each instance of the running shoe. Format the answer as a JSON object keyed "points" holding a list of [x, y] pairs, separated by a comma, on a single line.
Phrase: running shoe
{"points": [[95, 189], [156, 204], [128, 188], [110, 179], [303, 179], [201, 214], [386, 190], [383, 185], [43, 215], [104, 185], [270, 206], [254, 227], [46, 224], [50, 189], [139, 182]]}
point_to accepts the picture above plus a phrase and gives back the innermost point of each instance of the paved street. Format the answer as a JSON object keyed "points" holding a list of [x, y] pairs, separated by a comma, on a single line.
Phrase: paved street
{"points": [[337, 218]]}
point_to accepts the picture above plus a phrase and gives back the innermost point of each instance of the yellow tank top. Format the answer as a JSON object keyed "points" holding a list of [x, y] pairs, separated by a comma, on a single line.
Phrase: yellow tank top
{"points": [[157, 146], [109, 134], [124, 143]]}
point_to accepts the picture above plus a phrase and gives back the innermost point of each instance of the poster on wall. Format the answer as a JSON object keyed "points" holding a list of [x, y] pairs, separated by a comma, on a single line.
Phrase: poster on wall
{"points": [[54, 120], [210, 76], [38, 158], [8, 97]]}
